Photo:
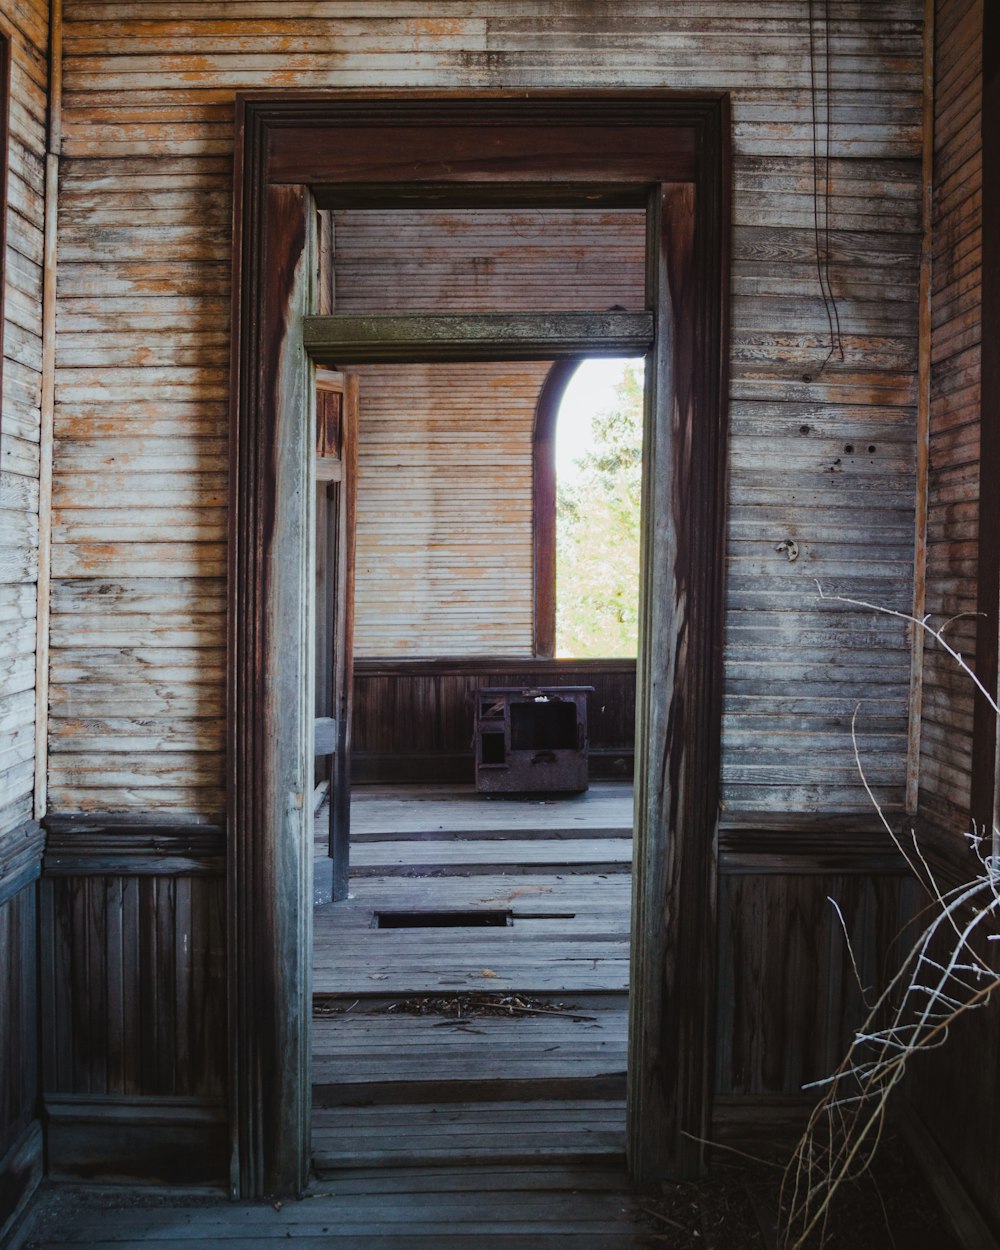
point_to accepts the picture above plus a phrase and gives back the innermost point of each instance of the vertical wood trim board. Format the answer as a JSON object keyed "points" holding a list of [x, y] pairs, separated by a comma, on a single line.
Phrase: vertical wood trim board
{"points": [[47, 409], [26, 31], [918, 637], [953, 486], [986, 740], [678, 680], [270, 727], [23, 448], [5, 91]]}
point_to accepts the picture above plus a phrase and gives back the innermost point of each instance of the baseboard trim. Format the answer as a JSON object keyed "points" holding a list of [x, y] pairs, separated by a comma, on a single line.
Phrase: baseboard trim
{"points": [[110, 845], [21, 1172], [168, 1141]]}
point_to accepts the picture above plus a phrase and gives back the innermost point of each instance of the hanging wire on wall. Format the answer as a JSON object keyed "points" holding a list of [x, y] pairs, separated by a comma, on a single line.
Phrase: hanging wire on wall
{"points": [[821, 203]]}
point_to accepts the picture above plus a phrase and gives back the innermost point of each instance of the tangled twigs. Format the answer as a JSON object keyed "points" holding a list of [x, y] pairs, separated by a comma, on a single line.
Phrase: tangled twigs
{"points": [[942, 977]]}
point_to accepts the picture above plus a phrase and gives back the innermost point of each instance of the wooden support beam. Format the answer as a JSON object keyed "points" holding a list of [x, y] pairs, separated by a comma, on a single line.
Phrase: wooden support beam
{"points": [[387, 338]]}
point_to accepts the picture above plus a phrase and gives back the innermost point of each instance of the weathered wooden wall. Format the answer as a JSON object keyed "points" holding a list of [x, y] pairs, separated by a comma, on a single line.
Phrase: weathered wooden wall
{"points": [[413, 720], [26, 26], [144, 280], [821, 456], [133, 1002], [444, 538], [953, 485], [445, 485], [953, 1091]]}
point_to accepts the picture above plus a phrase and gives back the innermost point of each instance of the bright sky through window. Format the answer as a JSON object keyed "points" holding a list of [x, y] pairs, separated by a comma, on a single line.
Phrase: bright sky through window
{"points": [[592, 389]]}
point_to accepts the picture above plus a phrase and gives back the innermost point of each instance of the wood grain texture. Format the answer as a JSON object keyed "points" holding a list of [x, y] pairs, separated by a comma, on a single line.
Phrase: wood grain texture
{"points": [[401, 337], [24, 81], [959, 782], [492, 1207], [25, 36], [788, 1001], [133, 992], [954, 479], [133, 1000], [270, 688], [679, 675], [18, 1024], [984, 780]]}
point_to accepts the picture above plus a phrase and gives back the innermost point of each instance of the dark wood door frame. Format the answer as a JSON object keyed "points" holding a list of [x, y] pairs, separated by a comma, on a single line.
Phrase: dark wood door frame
{"points": [[664, 151]]}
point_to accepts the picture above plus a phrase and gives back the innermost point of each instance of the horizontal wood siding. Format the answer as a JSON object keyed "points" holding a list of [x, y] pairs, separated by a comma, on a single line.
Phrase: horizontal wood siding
{"points": [[143, 338], [445, 474], [952, 1092], [20, 412], [489, 261], [414, 721], [444, 537], [953, 486]]}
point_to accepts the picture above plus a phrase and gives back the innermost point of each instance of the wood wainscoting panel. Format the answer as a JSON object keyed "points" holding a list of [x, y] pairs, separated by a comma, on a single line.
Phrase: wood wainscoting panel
{"points": [[413, 719], [133, 1001], [788, 998], [20, 1130]]}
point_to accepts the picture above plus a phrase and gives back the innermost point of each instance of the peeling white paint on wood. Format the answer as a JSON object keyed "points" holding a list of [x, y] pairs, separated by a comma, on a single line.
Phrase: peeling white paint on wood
{"points": [[27, 25]]}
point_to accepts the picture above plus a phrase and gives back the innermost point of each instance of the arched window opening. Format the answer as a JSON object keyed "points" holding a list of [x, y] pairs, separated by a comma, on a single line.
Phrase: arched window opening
{"points": [[588, 469]]}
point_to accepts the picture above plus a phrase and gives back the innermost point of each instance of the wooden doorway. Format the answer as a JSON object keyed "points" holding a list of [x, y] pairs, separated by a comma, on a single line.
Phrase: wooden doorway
{"points": [[657, 150]]}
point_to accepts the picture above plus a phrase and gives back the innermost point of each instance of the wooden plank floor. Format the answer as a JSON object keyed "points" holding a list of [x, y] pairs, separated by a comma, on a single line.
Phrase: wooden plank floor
{"points": [[372, 1057], [574, 1130], [392, 1087], [544, 1206], [570, 895], [415, 809]]}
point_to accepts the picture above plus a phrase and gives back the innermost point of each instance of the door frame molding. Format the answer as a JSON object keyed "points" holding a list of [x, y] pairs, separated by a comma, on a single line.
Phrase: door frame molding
{"points": [[667, 152]]}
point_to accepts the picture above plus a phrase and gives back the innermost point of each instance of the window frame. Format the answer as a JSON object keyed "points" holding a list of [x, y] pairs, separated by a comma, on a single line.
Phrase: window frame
{"points": [[543, 503]]}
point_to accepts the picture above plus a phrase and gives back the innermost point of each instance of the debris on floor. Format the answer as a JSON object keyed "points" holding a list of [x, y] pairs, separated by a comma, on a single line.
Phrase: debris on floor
{"points": [[735, 1208], [461, 1006]]}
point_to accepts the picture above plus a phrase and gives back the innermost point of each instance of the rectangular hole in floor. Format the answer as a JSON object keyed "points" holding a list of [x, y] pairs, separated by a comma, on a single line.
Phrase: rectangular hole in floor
{"points": [[442, 919]]}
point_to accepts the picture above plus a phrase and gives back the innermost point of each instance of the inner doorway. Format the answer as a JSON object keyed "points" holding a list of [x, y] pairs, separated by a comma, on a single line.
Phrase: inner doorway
{"points": [[476, 978]]}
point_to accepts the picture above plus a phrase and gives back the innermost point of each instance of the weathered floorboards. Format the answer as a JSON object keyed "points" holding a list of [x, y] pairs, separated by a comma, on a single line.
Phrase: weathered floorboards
{"points": [[445, 1208]]}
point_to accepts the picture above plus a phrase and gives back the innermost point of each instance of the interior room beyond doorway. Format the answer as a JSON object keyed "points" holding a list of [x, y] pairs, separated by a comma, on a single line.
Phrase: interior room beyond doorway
{"points": [[478, 970]]}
